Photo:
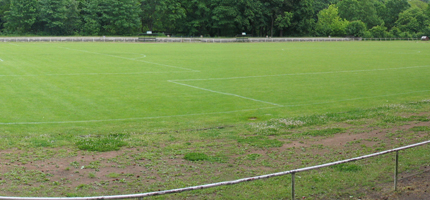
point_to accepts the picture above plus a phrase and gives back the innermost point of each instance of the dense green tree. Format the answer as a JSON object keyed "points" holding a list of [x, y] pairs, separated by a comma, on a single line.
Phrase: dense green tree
{"points": [[322, 4], [418, 3], [21, 16], [329, 23], [59, 17], [283, 21], [212, 17], [392, 11], [224, 13], [197, 17], [4, 6], [90, 18], [379, 31], [149, 13], [412, 20], [363, 10], [303, 22], [427, 11], [172, 13], [356, 28], [111, 17]]}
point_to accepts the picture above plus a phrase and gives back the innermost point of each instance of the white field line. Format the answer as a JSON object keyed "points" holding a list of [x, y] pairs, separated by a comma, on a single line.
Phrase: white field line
{"points": [[171, 66], [359, 98], [300, 74], [1, 60], [229, 94], [13, 44], [130, 119], [143, 56], [197, 114], [94, 74]]}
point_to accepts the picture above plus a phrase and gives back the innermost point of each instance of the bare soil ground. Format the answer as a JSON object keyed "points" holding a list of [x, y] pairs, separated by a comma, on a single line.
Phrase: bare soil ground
{"points": [[76, 167]]}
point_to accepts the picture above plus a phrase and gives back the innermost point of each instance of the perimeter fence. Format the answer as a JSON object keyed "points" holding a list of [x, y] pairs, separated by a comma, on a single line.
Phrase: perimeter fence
{"points": [[190, 39], [199, 187]]}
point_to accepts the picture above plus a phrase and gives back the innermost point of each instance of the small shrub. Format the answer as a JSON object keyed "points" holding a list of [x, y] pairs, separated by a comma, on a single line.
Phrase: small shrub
{"points": [[196, 156]]}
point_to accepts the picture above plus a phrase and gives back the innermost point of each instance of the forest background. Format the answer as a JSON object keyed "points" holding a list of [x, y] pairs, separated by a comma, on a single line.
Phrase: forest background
{"points": [[217, 18]]}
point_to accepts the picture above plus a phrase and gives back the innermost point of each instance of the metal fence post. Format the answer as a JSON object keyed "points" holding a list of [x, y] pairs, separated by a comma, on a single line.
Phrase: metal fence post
{"points": [[396, 171], [292, 185]]}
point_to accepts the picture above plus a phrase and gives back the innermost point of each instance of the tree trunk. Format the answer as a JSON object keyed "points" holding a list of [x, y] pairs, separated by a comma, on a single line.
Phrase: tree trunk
{"points": [[271, 27]]}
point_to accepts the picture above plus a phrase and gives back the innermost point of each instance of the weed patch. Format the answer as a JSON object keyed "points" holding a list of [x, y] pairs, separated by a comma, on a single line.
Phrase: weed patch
{"points": [[196, 156], [420, 128], [204, 157], [253, 156], [260, 141], [112, 142]]}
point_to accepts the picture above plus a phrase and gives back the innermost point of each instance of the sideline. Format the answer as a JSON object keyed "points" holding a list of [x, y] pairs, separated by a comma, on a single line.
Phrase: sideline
{"points": [[94, 74]]}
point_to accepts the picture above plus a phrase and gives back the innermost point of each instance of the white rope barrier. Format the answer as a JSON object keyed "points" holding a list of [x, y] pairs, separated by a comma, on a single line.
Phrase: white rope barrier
{"points": [[213, 40]]}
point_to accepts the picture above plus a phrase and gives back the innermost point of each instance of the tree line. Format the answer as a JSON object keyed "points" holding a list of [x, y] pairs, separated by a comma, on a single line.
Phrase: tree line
{"points": [[358, 18]]}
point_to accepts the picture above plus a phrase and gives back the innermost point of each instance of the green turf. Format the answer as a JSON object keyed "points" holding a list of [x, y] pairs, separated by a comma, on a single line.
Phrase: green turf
{"points": [[100, 85], [237, 106]]}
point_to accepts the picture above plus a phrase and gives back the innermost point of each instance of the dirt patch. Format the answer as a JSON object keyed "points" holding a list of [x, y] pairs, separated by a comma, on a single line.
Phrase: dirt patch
{"points": [[411, 186]]}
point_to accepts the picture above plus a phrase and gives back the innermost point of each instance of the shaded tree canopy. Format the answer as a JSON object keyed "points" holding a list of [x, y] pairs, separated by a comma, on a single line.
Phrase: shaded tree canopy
{"points": [[216, 17]]}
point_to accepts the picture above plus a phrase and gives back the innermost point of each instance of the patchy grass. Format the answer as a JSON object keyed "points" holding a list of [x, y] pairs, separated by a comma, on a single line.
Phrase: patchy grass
{"points": [[420, 128], [324, 132], [196, 156], [260, 141], [111, 142]]}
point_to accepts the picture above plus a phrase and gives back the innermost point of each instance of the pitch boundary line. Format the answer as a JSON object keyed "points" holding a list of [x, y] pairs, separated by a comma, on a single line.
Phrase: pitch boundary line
{"points": [[1, 60], [94, 74], [171, 66], [196, 114], [299, 74], [137, 118]]}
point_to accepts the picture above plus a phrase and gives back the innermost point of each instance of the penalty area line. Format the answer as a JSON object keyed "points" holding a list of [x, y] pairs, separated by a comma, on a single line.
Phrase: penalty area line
{"points": [[225, 93]]}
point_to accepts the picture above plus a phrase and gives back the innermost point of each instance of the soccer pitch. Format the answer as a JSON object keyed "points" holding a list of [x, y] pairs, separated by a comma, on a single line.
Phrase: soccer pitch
{"points": [[115, 83], [83, 114]]}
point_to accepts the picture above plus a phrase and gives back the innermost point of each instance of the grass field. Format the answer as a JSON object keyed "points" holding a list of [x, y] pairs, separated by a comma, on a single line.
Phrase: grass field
{"points": [[53, 94]]}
